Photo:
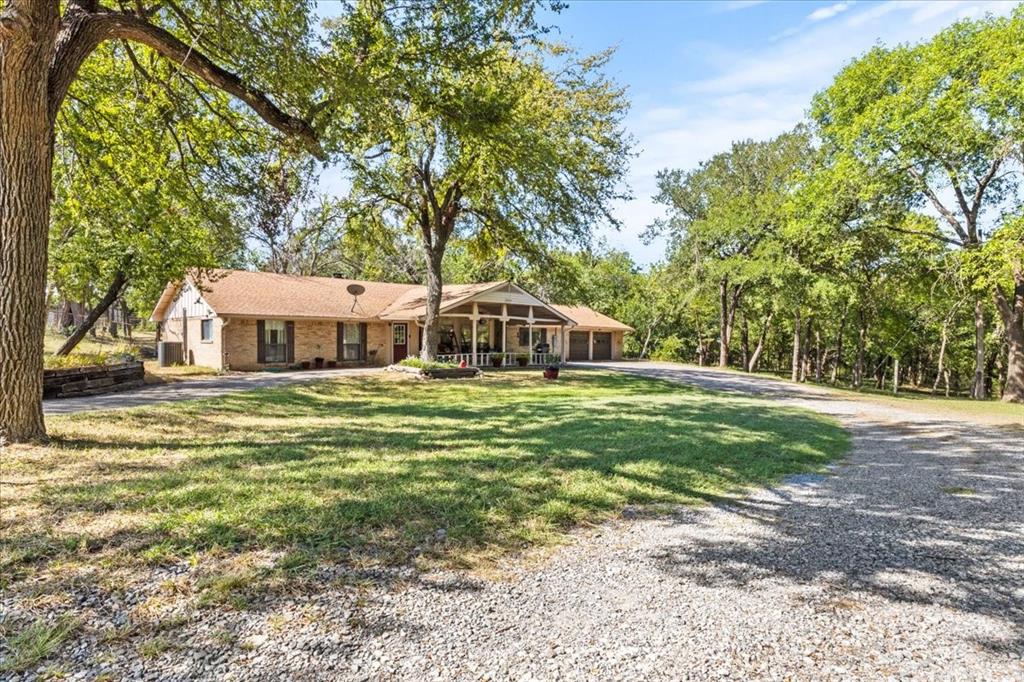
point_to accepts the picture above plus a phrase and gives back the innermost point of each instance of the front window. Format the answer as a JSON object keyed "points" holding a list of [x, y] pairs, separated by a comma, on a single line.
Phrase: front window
{"points": [[275, 341], [540, 337], [206, 330], [447, 343], [351, 342]]}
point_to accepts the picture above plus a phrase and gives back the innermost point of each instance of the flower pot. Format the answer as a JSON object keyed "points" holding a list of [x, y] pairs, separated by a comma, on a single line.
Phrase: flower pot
{"points": [[318, 362], [331, 364], [551, 372], [304, 364], [523, 362], [496, 361]]}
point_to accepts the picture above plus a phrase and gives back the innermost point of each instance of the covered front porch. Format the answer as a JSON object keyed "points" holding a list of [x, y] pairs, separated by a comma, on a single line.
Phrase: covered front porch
{"points": [[500, 339], [503, 326]]}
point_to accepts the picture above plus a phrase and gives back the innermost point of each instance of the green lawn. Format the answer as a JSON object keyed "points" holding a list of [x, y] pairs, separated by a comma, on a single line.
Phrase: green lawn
{"points": [[369, 470]]}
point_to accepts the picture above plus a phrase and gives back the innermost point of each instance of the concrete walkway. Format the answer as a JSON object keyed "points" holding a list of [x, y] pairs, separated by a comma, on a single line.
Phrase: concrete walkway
{"points": [[197, 388]]}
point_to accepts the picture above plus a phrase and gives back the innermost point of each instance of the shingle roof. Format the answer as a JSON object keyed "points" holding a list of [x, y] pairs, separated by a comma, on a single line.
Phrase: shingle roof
{"points": [[267, 294], [413, 303], [588, 318], [270, 295]]}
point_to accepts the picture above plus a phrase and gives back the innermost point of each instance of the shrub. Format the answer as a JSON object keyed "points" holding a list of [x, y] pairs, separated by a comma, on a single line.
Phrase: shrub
{"points": [[671, 348], [423, 364], [113, 357]]}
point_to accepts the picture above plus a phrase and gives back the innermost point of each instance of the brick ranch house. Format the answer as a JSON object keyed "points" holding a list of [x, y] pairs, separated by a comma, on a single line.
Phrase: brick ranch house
{"points": [[237, 319]]}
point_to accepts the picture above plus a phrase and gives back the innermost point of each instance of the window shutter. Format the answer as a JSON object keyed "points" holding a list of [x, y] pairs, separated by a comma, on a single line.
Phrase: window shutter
{"points": [[289, 331], [261, 348], [340, 341], [362, 341]]}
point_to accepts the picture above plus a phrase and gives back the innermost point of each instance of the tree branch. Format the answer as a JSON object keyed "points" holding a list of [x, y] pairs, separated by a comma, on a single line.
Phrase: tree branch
{"points": [[930, 235], [82, 31]]}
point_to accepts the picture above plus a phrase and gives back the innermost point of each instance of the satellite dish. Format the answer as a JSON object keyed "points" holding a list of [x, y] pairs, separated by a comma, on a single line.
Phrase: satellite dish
{"points": [[356, 290]]}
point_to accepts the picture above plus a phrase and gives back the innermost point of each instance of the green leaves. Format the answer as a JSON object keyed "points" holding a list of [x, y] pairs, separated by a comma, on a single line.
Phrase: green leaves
{"points": [[466, 103]]}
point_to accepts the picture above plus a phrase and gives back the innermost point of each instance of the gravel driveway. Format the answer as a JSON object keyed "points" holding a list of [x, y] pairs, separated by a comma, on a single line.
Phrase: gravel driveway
{"points": [[193, 389], [906, 561]]}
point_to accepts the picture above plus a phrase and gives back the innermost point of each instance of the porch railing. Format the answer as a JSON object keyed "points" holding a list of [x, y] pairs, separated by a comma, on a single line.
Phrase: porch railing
{"points": [[507, 359]]}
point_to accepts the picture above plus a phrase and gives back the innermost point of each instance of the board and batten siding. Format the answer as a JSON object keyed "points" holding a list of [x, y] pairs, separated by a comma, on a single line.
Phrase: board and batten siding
{"points": [[183, 324]]}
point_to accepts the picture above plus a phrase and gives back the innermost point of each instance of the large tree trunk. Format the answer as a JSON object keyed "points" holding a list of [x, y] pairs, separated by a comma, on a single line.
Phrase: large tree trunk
{"points": [[432, 322], [1011, 310], [978, 385], [27, 34], [40, 54], [795, 371], [113, 291]]}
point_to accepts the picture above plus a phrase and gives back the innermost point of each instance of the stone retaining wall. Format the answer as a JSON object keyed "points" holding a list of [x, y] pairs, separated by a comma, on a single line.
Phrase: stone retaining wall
{"points": [[80, 381]]}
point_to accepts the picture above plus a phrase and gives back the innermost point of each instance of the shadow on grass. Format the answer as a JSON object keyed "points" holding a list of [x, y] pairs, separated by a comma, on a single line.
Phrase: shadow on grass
{"points": [[387, 470]]}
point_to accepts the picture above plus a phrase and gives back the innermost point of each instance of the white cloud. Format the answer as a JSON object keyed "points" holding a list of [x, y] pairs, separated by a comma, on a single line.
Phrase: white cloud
{"points": [[823, 13]]}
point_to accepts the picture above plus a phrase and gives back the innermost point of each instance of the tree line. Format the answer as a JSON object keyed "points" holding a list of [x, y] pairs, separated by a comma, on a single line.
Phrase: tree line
{"points": [[879, 243]]}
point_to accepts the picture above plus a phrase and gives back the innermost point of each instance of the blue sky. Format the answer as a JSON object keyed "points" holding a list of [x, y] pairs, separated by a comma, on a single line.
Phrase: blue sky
{"points": [[702, 74]]}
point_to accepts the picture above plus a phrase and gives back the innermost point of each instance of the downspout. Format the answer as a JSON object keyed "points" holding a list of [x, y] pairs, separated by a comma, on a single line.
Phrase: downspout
{"points": [[225, 363]]}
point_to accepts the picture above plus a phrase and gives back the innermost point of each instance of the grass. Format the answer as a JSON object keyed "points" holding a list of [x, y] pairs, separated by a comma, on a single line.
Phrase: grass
{"points": [[155, 374], [101, 343], [370, 469], [35, 643], [959, 490]]}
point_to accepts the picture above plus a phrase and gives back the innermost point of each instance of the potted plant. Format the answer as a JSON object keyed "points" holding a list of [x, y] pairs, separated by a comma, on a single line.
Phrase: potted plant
{"points": [[331, 364], [318, 363], [523, 359], [497, 359], [304, 364], [551, 372]]}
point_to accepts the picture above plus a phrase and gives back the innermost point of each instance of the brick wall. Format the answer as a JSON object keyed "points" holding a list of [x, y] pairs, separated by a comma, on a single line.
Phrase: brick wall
{"points": [[313, 339]]}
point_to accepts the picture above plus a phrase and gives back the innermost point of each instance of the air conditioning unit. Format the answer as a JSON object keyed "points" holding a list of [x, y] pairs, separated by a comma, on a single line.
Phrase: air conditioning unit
{"points": [[169, 353]]}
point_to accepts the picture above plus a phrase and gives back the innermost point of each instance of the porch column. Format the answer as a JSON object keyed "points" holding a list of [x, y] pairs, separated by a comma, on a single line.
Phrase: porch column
{"points": [[529, 324], [475, 322], [561, 344], [504, 329], [590, 345]]}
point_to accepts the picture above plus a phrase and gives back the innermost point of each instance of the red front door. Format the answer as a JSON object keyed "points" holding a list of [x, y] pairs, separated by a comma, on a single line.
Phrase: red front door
{"points": [[400, 341]]}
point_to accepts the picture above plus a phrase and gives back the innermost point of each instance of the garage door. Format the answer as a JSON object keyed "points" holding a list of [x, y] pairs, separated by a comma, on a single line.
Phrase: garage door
{"points": [[602, 346], [578, 345]]}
